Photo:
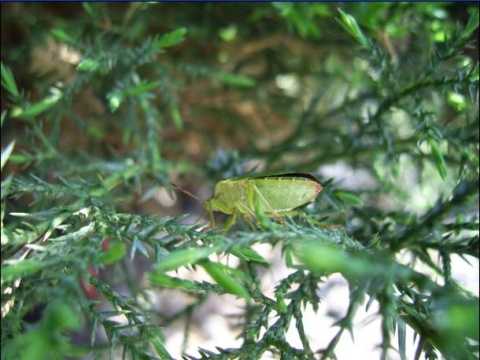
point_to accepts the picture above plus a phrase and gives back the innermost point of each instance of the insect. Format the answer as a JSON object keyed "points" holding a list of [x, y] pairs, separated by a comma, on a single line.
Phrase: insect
{"points": [[276, 193]]}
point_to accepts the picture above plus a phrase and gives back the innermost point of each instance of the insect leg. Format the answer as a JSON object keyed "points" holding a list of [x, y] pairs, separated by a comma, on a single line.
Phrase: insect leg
{"points": [[229, 224]]}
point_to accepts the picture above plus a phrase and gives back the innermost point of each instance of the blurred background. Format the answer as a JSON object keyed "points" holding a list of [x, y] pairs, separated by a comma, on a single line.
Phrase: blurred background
{"points": [[376, 100]]}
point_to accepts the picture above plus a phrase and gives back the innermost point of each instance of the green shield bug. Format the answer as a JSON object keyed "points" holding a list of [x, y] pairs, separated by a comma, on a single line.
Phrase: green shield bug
{"points": [[276, 193]]}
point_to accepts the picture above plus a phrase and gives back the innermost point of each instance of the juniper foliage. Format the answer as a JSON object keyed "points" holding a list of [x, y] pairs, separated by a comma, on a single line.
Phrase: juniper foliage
{"points": [[103, 111]]}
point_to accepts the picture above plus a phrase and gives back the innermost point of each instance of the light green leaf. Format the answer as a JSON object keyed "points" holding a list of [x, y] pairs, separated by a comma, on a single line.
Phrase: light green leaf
{"points": [[183, 258], [226, 281], [6, 153], [236, 80], [141, 88], [176, 116], [169, 282], [349, 198], [438, 158], [88, 65], [351, 26], [61, 35], [170, 39], [114, 100], [113, 254], [31, 111], [22, 268], [249, 254], [8, 82]]}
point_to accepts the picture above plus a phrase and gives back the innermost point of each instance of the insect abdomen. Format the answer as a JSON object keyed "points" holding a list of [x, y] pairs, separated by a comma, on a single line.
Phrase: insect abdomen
{"points": [[284, 194]]}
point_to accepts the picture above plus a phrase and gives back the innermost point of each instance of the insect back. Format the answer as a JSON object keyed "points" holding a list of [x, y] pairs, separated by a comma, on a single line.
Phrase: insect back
{"points": [[277, 194]]}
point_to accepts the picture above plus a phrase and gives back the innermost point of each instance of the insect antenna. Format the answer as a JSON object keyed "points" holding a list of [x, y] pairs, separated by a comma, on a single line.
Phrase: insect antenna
{"points": [[188, 193]]}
